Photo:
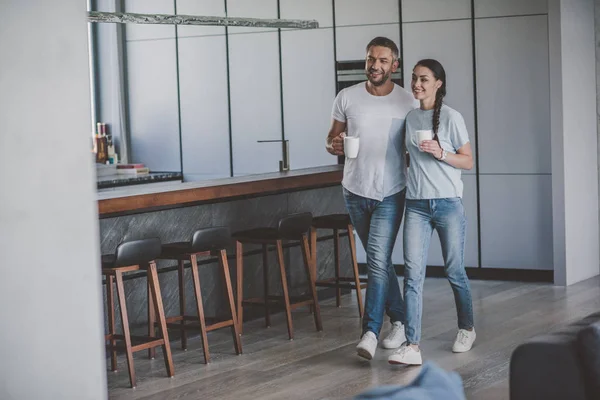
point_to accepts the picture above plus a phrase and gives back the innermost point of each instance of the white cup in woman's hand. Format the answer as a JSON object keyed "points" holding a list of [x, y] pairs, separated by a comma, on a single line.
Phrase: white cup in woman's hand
{"points": [[351, 144], [424, 135]]}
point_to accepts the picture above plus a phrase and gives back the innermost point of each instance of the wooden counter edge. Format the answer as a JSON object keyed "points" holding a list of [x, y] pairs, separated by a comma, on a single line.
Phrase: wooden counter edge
{"points": [[191, 196]]}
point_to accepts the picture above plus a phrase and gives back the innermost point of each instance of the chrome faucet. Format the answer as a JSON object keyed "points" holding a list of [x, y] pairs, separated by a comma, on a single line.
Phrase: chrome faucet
{"points": [[284, 165]]}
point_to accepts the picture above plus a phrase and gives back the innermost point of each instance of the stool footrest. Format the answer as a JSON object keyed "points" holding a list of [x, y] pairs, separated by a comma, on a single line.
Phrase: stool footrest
{"points": [[340, 285], [295, 301], [143, 342], [211, 323]]}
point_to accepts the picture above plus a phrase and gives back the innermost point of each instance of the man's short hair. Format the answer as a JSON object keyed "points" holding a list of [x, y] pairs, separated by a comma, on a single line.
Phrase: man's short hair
{"points": [[384, 42]]}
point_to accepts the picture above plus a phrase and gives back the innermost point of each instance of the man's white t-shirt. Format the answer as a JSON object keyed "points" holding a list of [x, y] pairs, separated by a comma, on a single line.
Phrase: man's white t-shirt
{"points": [[379, 170]]}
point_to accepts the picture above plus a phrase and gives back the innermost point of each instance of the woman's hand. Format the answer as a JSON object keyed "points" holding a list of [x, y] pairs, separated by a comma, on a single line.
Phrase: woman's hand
{"points": [[432, 147]]}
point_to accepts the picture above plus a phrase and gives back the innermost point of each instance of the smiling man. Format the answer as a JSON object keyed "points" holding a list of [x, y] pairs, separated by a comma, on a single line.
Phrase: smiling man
{"points": [[374, 183]]}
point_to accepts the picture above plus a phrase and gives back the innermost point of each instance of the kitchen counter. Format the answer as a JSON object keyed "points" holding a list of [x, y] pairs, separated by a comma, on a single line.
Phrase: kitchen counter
{"points": [[118, 180], [132, 199]]}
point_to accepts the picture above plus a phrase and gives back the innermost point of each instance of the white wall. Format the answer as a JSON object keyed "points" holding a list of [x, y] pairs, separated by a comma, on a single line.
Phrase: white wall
{"points": [[51, 339], [574, 140]]}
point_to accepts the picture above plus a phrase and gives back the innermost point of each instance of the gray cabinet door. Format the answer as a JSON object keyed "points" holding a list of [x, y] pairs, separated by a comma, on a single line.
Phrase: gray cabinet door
{"points": [[204, 107], [308, 93], [513, 95], [153, 111], [450, 43], [255, 102], [516, 221], [435, 10]]}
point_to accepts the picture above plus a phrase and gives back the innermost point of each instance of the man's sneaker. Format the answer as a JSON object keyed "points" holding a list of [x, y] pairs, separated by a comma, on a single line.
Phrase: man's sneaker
{"points": [[464, 340], [395, 338], [406, 355], [367, 345]]}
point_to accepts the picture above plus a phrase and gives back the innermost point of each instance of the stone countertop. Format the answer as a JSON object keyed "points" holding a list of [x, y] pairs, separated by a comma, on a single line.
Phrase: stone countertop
{"points": [[132, 199], [118, 180]]}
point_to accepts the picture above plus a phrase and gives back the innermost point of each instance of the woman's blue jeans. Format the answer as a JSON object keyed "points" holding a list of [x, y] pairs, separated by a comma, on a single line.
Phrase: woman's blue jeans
{"points": [[447, 217], [377, 224]]}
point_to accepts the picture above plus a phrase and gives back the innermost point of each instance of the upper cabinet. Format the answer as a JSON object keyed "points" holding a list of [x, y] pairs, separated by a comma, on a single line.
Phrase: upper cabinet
{"points": [[503, 8], [435, 10]]}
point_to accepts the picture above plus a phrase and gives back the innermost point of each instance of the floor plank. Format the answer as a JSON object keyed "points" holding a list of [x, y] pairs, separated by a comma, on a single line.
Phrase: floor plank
{"points": [[323, 365]]}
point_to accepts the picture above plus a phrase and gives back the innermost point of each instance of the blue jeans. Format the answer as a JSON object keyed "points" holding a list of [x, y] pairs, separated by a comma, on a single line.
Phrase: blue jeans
{"points": [[447, 217], [377, 224]]}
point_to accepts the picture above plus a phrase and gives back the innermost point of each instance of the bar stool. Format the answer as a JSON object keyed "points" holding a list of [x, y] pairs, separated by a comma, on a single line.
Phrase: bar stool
{"points": [[293, 227], [338, 222], [204, 242], [134, 256]]}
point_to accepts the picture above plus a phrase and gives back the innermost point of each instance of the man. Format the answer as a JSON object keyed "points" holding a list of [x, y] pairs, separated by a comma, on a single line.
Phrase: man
{"points": [[374, 183]]}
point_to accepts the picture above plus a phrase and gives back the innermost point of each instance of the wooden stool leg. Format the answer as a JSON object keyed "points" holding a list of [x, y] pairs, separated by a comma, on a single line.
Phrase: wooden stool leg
{"points": [[125, 322], [239, 265], [181, 276], [151, 320], [311, 283], [313, 259], [110, 299], [237, 343], [156, 296], [355, 269], [336, 256], [200, 308], [265, 255], [284, 284]]}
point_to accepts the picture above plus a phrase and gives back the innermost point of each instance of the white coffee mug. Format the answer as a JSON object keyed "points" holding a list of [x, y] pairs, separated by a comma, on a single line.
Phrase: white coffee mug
{"points": [[351, 144], [424, 135]]}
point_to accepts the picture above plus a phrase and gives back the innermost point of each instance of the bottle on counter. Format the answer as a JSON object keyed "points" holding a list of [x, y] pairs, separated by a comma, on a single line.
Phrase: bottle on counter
{"points": [[101, 144]]}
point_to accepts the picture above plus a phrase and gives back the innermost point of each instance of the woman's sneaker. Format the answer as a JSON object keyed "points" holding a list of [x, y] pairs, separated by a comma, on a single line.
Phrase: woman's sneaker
{"points": [[395, 338], [464, 340], [367, 345], [406, 355]]}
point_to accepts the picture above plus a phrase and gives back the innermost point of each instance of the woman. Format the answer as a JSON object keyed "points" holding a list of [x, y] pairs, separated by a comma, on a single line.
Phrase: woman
{"points": [[433, 201]]}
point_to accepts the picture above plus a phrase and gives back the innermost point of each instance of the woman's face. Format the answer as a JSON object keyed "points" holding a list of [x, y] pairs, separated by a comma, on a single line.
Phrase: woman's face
{"points": [[424, 85]]}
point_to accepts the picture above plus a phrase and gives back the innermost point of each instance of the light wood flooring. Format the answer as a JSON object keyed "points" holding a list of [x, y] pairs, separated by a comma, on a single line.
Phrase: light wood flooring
{"points": [[324, 365]]}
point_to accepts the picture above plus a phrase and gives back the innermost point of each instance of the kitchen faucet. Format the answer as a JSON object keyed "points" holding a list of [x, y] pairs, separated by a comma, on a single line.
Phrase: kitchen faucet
{"points": [[284, 165]]}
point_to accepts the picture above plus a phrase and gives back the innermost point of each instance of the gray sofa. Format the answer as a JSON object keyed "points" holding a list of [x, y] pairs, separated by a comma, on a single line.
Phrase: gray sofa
{"points": [[564, 364]]}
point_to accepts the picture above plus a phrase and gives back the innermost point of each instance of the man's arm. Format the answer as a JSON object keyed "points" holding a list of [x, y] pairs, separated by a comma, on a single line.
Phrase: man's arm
{"points": [[335, 140]]}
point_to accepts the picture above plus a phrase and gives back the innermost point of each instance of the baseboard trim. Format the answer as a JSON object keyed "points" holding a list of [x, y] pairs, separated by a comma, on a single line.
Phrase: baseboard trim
{"points": [[494, 274]]}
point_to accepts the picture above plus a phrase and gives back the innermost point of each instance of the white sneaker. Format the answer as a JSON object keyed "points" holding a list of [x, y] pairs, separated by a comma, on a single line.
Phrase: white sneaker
{"points": [[395, 338], [464, 340], [367, 345], [406, 355]]}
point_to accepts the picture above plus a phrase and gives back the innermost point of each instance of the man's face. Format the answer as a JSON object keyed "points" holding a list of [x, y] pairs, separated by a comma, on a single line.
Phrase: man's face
{"points": [[380, 65]]}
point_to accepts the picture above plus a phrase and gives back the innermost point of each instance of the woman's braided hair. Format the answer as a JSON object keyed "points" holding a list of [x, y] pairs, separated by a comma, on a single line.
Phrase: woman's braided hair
{"points": [[440, 74]]}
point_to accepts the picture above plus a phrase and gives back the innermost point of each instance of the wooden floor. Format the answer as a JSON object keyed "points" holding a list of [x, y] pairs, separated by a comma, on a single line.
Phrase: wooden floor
{"points": [[325, 366]]}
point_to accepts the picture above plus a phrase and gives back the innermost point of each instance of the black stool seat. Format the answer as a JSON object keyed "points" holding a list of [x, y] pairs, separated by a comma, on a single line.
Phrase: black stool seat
{"points": [[332, 221], [133, 252], [261, 234], [204, 242]]}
